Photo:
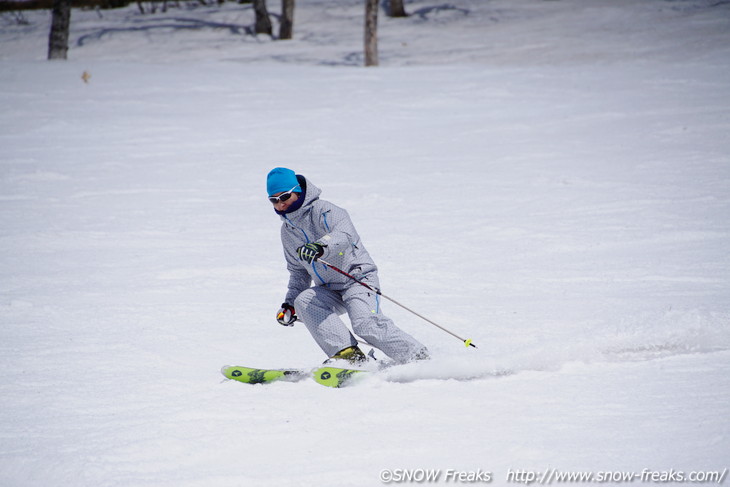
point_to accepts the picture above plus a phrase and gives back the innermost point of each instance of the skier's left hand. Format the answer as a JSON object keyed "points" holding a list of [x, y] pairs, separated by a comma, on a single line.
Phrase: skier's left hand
{"points": [[310, 252], [286, 315]]}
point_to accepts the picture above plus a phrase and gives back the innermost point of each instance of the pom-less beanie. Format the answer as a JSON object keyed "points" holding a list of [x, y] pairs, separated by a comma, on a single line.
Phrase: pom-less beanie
{"points": [[281, 179]]}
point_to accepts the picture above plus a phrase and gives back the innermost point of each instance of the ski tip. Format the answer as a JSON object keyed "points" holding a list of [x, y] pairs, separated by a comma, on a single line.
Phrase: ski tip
{"points": [[335, 377]]}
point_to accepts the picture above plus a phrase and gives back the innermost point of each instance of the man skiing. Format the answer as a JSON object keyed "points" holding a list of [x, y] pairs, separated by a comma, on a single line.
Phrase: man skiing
{"points": [[312, 229]]}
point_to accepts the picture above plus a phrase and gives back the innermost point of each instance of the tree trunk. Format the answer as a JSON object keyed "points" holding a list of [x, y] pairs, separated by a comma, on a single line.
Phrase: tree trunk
{"points": [[263, 23], [287, 19], [397, 9], [371, 32], [58, 38]]}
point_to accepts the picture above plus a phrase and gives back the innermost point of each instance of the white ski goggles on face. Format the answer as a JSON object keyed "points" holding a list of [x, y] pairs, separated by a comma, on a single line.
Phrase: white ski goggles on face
{"points": [[283, 196]]}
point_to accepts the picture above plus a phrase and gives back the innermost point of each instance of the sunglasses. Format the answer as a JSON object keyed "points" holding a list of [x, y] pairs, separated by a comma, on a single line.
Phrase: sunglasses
{"points": [[283, 196]]}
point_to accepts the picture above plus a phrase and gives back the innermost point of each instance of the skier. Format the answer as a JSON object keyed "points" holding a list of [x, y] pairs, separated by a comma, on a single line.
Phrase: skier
{"points": [[312, 229]]}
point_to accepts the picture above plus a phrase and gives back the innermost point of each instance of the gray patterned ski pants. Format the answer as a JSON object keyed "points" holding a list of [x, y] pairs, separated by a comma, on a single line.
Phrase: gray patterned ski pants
{"points": [[319, 309]]}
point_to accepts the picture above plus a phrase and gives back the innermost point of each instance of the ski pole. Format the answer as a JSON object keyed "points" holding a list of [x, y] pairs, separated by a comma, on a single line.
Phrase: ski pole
{"points": [[466, 341]]}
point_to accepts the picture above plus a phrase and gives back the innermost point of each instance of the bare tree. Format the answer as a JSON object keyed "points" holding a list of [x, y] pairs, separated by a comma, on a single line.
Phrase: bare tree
{"points": [[287, 19], [371, 32], [60, 21], [263, 22], [397, 9]]}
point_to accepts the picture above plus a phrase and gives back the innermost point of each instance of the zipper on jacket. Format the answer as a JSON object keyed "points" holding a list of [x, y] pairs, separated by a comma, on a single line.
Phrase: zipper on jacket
{"points": [[314, 268], [324, 217], [306, 237]]}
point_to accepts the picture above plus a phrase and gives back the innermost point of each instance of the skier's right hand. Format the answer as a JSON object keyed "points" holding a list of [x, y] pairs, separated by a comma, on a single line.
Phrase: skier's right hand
{"points": [[286, 315]]}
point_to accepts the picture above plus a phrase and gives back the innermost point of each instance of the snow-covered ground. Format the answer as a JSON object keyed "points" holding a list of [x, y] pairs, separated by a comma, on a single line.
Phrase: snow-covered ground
{"points": [[548, 178]]}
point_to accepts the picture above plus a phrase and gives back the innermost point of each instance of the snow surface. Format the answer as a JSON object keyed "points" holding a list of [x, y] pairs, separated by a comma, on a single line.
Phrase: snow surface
{"points": [[548, 178]]}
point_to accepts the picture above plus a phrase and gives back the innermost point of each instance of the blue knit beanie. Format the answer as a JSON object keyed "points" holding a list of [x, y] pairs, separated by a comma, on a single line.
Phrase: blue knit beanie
{"points": [[281, 179]]}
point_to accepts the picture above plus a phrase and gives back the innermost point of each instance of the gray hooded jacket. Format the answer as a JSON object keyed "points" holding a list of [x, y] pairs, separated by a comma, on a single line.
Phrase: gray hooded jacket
{"points": [[322, 222]]}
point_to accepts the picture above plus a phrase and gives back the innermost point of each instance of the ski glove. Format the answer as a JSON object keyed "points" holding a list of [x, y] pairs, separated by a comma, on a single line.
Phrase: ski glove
{"points": [[286, 315], [310, 252]]}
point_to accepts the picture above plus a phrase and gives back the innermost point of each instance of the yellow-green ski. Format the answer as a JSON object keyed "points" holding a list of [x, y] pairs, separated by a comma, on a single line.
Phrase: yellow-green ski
{"points": [[335, 377], [327, 376], [250, 375]]}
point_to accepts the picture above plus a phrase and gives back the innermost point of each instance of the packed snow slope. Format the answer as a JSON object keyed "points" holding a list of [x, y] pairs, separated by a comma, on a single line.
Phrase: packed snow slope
{"points": [[548, 178]]}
